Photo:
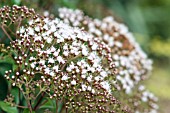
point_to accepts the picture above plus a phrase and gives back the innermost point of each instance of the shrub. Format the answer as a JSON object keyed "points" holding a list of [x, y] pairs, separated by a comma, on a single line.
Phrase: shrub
{"points": [[79, 63]]}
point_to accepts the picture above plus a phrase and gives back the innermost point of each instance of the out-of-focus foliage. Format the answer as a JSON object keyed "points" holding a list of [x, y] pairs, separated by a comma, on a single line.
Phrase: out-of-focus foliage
{"points": [[146, 17], [160, 48]]}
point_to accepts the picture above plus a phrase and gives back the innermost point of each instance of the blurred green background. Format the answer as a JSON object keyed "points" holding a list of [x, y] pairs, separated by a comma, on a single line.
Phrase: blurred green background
{"points": [[149, 20]]}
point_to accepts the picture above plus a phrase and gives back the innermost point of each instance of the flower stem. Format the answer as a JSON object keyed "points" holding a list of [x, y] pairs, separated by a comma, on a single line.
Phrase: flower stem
{"points": [[39, 101]]}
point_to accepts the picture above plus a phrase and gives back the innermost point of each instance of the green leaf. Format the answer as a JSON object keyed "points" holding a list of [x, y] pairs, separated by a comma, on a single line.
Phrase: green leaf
{"points": [[3, 87], [38, 76], [9, 61], [3, 90], [51, 105], [7, 108], [4, 67], [48, 105], [27, 111], [14, 92], [17, 2], [60, 105]]}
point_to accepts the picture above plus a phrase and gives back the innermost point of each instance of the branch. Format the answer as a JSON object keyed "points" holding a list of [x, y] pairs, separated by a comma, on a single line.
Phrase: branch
{"points": [[39, 101], [6, 33]]}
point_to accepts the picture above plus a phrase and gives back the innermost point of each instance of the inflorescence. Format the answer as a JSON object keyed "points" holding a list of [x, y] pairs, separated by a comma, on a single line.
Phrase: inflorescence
{"points": [[90, 65], [131, 62]]}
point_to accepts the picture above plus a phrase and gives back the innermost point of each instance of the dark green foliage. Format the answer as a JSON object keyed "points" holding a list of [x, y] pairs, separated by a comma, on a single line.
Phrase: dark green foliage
{"points": [[4, 89], [7, 108]]}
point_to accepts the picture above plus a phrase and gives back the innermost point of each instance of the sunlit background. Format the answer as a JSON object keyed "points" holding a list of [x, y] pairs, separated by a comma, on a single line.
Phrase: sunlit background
{"points": [[149, 20]]}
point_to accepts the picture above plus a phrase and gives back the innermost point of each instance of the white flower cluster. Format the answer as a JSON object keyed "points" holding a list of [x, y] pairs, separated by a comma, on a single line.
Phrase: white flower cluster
{"points": [[77, 51], [130, 60], [82, 61], [72, 59], [147, 98]]}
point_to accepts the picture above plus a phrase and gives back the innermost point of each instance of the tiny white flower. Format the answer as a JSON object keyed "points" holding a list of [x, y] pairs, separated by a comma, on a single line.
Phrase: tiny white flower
{"points": [[72, 65], [51, 60], [118, 44], [94, 46], [84, 87], [45, 27], [22, 30], [97, 78], [103, 74], [32, 65], [32, 58], [42, 62], [30, 31], [30, 22], [56, 34], [47, 71], [60, 60], [53, 28], [77, 70], [144, 99], [116, 57], [68, 69], [37, 20], [73, 82], [141, 88], [52, 73], [84, 71], [65, 47], [65, 53], [37, 28], [56, 53], [93, 91], [46, 13], [85, 51], [89, 88], [13, 84], [92, 69], [65, 77], [38, 38], [56, 68], [89, 78], [49, 40], [17, 73], [52, 49], [83, 76], [79, 63], [106, 86]]}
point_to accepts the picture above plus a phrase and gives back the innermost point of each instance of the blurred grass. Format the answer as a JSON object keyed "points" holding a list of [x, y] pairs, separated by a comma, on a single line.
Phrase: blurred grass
{"points": [[159, 84]]}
